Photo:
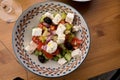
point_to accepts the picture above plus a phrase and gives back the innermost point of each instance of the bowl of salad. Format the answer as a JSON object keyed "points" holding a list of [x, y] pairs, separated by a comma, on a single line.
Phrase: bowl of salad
{"points": [[51, 39]]}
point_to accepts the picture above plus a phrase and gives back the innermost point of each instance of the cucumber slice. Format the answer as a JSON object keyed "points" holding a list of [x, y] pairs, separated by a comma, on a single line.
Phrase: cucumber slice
{"points": [[56, 58], [68, 26], [62, 46], [59, 56], [42, 38], [63, 15], [45, 28], [64, 52], [71, 37], [67, 31], [68, 56], [37, 53], [45, 32]]}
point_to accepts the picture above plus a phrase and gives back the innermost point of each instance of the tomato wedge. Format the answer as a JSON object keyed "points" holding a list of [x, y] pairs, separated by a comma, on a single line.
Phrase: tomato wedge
{"points": [[40, 25], [56, 52], [49, 56], [39, 46], [52, 28], [35, 39], [38, 42], [76, 42]]}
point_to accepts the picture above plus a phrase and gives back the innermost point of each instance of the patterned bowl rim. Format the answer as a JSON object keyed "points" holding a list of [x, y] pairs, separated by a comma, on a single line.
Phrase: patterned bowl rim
{"points": [[13, 31]]}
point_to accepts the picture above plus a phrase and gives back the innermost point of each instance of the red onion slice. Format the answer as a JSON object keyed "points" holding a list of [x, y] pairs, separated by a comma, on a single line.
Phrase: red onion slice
{"points": [[45, 24], [44, 47]]}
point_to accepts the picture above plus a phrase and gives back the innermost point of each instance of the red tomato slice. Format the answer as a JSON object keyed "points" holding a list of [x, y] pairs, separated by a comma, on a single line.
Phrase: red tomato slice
{"points": [[76, 42], [35, 39], [52, 28], [49, 56], [40, 25], [56, 52], [39, 46]]}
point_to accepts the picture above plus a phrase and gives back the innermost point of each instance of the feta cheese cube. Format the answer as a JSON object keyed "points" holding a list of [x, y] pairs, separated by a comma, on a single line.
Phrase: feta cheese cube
{"points": [[36, 32], [51, 47], [76, 53], [76, 27], [62, 61], [69, 18], [60, 29], [31, 47], [61, 38], [57, 19], [47, 14]]}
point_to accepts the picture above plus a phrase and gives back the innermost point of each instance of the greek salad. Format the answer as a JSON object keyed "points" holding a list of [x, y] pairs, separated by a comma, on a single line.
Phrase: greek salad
{"points": [[54, 38]]}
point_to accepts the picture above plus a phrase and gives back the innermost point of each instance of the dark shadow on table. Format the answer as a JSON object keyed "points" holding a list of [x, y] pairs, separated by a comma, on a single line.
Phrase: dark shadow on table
{"points": [[112, 75]]}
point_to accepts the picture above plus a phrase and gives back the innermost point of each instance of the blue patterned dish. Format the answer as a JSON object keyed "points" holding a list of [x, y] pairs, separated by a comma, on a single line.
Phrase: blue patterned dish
{"points": [[22, 36]]}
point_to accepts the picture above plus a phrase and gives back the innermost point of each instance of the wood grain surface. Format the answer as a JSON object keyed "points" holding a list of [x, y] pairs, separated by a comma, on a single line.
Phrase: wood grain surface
{"points": [[103, 19]]}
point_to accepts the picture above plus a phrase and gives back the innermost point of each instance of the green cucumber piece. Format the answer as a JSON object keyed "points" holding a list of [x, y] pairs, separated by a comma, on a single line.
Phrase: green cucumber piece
{"points": [[62, 46], [64, 52], [37, 53], [68, 56], [63, 15], [42, 38], [59, 55], [45, 32], [71, 37], [67, 31], [56, 58], [68, 26]]}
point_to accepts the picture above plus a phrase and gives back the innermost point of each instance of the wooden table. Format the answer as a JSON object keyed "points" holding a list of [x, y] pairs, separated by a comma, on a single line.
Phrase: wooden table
{"points": [[103, 19]]}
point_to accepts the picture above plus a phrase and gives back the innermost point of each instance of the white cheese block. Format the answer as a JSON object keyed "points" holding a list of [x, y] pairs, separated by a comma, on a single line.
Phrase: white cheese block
{"points": [[36, 32], [62, 61], [76, 53], [51, 47], [61, 38], [57, 19], [69, 18], [47, 14], [76, 27], [31, 47], [60, 29]]}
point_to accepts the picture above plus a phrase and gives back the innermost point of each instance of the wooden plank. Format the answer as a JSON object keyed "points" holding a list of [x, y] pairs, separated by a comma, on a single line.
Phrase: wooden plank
{"points": [[103, 18]]}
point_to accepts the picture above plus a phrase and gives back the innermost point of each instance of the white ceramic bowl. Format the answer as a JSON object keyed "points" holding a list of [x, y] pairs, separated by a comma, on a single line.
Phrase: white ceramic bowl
{"points": [[21, 37]]}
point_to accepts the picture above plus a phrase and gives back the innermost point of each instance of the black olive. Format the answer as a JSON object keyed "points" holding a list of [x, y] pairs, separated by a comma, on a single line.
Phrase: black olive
{"points": [[68, 45], [41, 58], [47, 20]]}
